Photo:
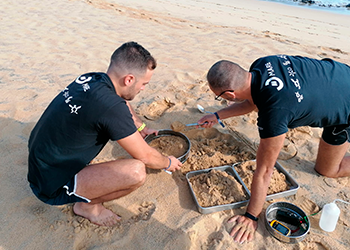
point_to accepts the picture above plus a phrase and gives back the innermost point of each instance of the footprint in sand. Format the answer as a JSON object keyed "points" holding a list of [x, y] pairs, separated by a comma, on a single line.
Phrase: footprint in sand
{"points": [[202, 238], [157, 108], [308, 206], [300, 133], [39, 210], [333, 50], [287, 152], [311, 244], [145, 211], [215, 240], [344, 196], [338, 182]]}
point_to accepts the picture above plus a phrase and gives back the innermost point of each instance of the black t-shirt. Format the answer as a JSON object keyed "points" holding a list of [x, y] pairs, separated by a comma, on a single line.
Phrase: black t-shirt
{"points": [[73, 130], [293, 91]]}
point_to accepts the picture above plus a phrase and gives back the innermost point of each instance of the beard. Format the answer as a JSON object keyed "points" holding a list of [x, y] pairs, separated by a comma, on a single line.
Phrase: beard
{"points": [[131, 94]]}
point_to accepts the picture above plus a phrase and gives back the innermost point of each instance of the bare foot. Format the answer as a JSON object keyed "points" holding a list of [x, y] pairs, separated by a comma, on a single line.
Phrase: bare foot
{"points": [[96, 213]]}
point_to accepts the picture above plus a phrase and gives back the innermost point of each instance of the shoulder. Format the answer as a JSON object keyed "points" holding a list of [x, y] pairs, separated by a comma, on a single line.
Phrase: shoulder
{"points": [[260, 62], [90, 77], [98, 88], [96, 93], [273, 121]]}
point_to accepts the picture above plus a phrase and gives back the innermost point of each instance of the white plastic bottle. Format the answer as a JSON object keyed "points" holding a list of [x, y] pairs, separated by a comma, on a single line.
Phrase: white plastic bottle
{"points": [[329, 217]]}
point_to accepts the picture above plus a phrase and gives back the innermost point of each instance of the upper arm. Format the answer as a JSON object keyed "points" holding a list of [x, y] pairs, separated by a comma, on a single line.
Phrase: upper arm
{"points": [[273, 122], [137, 147], [116, 121], [237, 109], [246, 107]]}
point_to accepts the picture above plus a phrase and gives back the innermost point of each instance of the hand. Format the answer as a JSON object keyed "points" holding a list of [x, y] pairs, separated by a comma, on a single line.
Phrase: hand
{"points": [[208, 121], [147, 131], [175, 164], [244, 229]]}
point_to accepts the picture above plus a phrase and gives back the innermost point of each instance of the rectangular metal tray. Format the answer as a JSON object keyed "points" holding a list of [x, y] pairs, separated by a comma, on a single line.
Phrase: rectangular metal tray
{"points": [[294, 186], [206, 210]]}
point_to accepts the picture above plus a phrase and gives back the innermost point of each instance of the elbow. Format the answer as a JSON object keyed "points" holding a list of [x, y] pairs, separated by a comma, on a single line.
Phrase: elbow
{"points": [[264, 175]]}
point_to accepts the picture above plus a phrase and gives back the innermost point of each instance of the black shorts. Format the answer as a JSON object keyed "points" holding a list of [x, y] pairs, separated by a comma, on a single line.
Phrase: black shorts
{"points": [[66, 194], [336, 135]]}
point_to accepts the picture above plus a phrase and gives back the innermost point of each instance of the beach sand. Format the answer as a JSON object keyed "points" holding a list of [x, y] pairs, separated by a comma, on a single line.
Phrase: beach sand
{"points": [[45, 45]]}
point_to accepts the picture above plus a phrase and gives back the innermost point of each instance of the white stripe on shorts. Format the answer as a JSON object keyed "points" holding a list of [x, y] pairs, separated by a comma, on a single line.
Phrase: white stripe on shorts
{"points": [[74, 189]]}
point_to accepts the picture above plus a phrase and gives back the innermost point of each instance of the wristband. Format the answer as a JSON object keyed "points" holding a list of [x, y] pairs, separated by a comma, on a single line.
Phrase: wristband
{"points": [[141, 127], [248, 215], [169, 164], [218, 118]]}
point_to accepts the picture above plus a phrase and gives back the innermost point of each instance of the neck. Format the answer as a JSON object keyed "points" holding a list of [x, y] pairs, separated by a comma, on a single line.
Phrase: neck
{"points": [[115, 80], [245, 92]]}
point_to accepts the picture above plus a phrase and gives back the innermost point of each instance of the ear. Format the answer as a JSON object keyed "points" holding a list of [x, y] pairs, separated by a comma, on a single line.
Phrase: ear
{"points": [[129, 80], [232, 95]]}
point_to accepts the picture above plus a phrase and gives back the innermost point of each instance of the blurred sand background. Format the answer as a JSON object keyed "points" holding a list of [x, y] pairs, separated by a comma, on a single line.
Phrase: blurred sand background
{"points": [[44, 45]]}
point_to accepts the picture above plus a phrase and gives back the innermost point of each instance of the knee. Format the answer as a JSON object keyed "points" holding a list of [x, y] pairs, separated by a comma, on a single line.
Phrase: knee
{"points": [[138, 172]]}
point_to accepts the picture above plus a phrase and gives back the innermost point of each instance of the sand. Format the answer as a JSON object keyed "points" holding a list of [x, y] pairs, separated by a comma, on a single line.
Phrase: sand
{"points": [[45, 45], [278, 182], [170, 145], [216, 188]]}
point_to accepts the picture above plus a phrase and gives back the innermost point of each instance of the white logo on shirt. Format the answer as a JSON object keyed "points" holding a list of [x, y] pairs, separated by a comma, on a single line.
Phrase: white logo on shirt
{"points": [[82, 79], [275, 82], [84, 82], [74, 109]]}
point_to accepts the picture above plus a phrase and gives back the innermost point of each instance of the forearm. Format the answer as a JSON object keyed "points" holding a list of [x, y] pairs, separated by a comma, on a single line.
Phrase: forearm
{"points": [[136, 146], [236, 109], [265, 161], [155, 160], [258, 190]]}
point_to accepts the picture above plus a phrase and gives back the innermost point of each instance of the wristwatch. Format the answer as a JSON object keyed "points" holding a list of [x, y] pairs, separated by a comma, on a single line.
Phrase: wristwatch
{"points": [[248, 215]]}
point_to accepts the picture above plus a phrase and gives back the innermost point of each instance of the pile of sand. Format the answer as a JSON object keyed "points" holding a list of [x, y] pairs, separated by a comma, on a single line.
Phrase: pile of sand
{"points": [[217, 188], [278, 181]]}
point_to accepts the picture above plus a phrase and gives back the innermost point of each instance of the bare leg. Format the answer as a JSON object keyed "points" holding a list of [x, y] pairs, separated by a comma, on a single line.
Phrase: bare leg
{"points": [[104, 182], [331, 160]]}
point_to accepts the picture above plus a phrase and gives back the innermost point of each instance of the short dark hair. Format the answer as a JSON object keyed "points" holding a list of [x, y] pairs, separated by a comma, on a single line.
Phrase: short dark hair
{"points": [[225, 75], [132, 57]]}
